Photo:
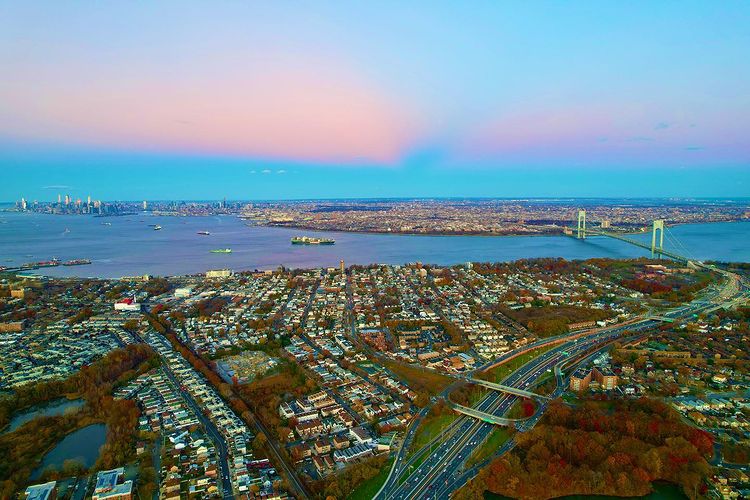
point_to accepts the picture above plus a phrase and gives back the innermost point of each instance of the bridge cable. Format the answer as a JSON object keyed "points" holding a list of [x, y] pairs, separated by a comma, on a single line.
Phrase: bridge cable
{"points": [[670, 239], [676, 240]]}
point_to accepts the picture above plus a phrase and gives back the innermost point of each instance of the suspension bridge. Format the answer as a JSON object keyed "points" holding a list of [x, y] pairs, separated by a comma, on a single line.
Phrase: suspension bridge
{"points": [[582, 231]]}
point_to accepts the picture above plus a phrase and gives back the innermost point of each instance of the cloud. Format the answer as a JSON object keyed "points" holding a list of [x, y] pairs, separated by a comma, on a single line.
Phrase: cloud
{"points": [[639, 138], [265, 171], [662, 126], [281, 171], [252, 171], [319, 109], [694, 148], [57, 187]]}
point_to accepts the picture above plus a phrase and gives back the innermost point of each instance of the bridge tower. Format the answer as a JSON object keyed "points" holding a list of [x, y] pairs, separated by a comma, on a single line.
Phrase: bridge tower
{"points": [[658, 227], [581, 225]]}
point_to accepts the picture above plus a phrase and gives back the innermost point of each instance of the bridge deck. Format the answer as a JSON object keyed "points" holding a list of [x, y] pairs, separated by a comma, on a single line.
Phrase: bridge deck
{"points": [[486, 417], [660, 251], [507, 389]]}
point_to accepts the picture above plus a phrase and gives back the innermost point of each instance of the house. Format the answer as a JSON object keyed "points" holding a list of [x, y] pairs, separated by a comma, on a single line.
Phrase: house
{"points": [[340, 442], [697, 417], [360, 435], [300, 451], [322, 446], [309, 429]]}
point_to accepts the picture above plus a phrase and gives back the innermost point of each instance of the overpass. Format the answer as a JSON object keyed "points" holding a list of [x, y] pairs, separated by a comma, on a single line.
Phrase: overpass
{"points": [[486, 417], [664, 319], [507, 389]]}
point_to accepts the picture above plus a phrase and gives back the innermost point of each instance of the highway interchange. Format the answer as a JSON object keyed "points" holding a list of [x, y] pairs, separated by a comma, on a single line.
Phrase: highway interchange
{"points": [[442, 472]]}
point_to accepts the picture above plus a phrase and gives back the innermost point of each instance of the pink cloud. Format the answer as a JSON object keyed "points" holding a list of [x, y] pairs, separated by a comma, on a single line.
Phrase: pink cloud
{"points": [[603, 132], [310, 112]]}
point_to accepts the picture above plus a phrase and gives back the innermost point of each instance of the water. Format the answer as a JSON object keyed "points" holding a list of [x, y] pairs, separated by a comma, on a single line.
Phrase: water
{"points": [[82, 445], [129, 246], [56, 407], [662, 491]]}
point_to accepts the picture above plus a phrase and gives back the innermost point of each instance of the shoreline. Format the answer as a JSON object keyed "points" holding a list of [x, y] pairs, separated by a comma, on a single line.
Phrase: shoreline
{"points": [[265, 247], [253, 223], [248, 271], [485, 234]]}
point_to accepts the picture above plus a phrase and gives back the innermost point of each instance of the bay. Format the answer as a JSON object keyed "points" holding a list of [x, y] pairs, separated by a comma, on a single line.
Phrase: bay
{"points": [[128, 245]]}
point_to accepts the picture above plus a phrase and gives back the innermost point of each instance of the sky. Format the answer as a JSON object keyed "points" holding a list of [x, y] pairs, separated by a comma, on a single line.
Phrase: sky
{"points": [[281, 100]]}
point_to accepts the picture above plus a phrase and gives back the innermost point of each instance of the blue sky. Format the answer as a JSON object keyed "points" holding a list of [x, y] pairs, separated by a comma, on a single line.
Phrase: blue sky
{"points": [[185, 99]]}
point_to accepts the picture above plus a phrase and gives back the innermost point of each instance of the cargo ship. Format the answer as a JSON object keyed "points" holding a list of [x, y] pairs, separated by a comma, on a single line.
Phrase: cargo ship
{"points": [[222, 250], [307, 240], [203, 233], [76, 262], [37, 265]]}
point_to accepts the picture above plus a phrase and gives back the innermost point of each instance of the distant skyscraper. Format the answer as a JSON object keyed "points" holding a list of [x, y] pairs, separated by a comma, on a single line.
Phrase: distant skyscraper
{"points": [[59, 198], [23, 204], [145, 205], [67, 199], [342, 266]]}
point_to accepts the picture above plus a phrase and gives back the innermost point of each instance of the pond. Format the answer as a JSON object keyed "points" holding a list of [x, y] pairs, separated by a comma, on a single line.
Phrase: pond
{"points": [[51, 408], [82, 445], [662, 490]]}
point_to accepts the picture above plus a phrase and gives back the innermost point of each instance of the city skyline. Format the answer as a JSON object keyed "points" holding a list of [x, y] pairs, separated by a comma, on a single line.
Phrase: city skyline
{"points": [[271, 102]]}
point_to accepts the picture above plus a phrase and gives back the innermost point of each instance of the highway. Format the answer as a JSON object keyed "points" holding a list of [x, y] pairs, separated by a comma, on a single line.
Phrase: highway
{"points": [[442, 472], [499, 403], [444, 464]]}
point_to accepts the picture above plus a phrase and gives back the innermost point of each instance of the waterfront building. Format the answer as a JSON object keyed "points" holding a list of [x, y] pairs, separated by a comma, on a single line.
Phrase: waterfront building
{"points": [[219, 273]]}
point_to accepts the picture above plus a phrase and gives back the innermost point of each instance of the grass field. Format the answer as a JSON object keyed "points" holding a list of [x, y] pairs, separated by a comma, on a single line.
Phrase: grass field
{"points": [[430, 427], [498, 373], [367, 490], [419, 379], [495, 440]]}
